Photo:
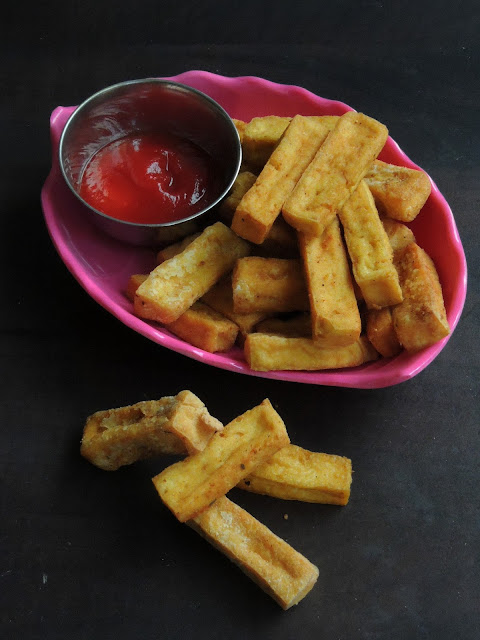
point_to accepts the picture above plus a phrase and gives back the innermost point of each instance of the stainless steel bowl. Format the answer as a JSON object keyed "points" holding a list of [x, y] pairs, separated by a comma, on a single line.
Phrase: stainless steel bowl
{"points": [[149, 105]]}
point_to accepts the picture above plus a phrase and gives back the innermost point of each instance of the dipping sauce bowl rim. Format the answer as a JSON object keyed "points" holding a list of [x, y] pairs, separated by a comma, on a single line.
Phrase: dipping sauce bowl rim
{"points": [[177, 86]]}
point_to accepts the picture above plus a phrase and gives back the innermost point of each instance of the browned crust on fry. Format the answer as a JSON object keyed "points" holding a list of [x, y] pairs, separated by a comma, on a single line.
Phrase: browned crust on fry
{"points": [[133, 283], [369, 249], [381, 332], [240, 127], [269, 285], [294, 473], [191, 485], [400, 192], [420, 320], [117, 437], [269, 561], [220, 298], [260, 137], [266, 352], [335, 172], [399, 235], [191, 422], [205, 328], [173, 286], [333, 305], [261, 205], [242, 184]]}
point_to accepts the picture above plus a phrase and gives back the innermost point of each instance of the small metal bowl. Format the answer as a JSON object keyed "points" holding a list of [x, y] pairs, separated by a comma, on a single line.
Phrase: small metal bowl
{"points": [[149, 105]]}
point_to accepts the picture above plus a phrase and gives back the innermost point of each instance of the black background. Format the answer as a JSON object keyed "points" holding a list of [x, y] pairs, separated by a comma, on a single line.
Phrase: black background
{"points": [[88, 554]]}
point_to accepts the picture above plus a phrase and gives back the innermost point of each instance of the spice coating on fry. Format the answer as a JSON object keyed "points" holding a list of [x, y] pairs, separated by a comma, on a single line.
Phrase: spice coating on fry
{"points": [[334, 173], [191, 485], [283, 573], [262, 203], [173, 286]]}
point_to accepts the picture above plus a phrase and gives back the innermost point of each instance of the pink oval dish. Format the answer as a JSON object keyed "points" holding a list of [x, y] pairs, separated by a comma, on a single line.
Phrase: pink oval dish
{"points": [[102, 265]]}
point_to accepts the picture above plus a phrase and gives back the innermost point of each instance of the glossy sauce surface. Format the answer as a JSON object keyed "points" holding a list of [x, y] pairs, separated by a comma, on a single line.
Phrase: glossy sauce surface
{"points": [[150, 179]]}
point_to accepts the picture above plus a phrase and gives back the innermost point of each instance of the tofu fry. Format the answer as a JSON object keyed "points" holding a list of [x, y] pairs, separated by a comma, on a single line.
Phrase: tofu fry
{"points": [[191, 485], [266, 352], [205, 328], [294, 473], [242, 184], [420, 320], [117, 437], [220, 298], [240, 127], [281, 240], [370, 250], [191, 422], [399, 235], [261, 205], [260, 137], [173, 286], [133, 283], [174, 249], [283, 573], [333, 305], [399, 192], [381, 332], [335, 172], [269, 285]]}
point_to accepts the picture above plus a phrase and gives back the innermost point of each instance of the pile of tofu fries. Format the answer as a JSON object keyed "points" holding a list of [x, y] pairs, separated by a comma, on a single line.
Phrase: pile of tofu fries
{"points": [[311, 264], [253, 452]]}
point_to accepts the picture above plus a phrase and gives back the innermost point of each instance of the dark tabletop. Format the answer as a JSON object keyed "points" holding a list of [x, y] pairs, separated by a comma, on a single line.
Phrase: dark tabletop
{"points": [[90, 554]]}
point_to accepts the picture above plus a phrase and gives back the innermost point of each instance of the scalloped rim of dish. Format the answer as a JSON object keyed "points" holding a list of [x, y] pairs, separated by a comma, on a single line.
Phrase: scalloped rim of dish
{"points": [[378, 374]]}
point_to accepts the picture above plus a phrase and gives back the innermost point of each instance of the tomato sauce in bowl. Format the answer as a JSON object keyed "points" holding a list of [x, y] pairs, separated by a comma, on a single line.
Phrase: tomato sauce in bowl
{"points": [[150, 178], [149, 159]]}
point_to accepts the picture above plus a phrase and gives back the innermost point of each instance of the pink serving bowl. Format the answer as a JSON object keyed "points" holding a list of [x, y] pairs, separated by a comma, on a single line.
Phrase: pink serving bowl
{"points": [[102, 265]]}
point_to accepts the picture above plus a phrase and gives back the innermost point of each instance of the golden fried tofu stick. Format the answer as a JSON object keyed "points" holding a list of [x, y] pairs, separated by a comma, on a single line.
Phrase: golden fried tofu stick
{"points": [[398, 234], [191, 485], [117, 437], [399, 192], [381, 332], [205, 328], [174, 249], [191, 422], [133, 283], [297, 326], [333, 305], [283, 573], [173, 286], [370, 250], [261, 205], [420, 320], [281, 241], [269, 285], [294, 473], [220, 298], [260, 137], [335, 172], [267, 352], [240, 127], [243, 182]]}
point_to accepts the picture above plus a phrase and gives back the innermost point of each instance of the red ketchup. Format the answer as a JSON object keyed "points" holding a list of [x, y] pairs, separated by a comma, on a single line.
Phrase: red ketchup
{"points": [[149, 179]]}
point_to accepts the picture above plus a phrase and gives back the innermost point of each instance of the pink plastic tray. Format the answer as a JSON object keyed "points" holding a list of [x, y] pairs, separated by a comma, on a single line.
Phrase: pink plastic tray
{"points": [[102, 265]]}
